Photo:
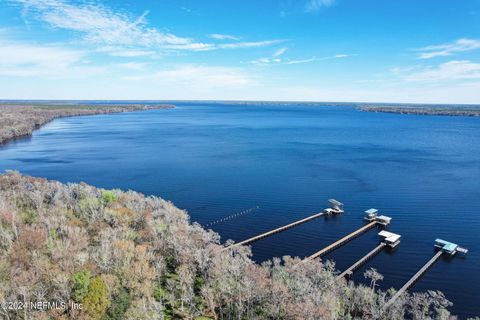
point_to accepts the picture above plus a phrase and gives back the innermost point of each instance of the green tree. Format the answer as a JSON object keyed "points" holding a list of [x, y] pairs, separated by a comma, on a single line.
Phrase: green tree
{"points": [[120, 304], [97, 299], [81, 282]]}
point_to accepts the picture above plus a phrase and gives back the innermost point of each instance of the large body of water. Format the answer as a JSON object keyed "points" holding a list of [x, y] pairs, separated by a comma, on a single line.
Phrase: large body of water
{"points": [[216, 160]]}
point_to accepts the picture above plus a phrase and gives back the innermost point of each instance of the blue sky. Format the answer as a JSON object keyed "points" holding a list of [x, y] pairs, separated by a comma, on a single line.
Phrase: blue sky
{"points": [[310, 50]]}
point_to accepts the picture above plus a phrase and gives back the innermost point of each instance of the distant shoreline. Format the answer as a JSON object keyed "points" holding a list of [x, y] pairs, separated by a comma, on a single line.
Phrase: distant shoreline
{"points": [[423, 110], [20, 120]]}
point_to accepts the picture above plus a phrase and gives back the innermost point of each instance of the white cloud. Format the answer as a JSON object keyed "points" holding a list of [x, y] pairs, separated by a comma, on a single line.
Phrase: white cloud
{"points": [[300, 61], [125, 52], [452, 70], [253, 44], [27, 60], [276, 60], [100, 25], [280, 52], [197, 76], [315, 5], [468, 94], [448, 49], [132, 65], [218, 36]]}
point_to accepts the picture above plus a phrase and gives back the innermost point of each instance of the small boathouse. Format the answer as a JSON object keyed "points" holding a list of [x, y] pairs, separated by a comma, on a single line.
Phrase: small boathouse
{"points": [[372, 215], [336, 207], [389, 238]]}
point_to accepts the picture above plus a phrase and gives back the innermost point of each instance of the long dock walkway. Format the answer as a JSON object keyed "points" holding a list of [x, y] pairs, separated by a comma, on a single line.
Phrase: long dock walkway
{"points": [[341, 242], [415, 278], [269, 233], [362, 261]]}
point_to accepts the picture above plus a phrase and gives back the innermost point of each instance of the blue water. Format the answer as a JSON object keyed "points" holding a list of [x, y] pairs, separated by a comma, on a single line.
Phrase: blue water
{"points": [[215, 160]]}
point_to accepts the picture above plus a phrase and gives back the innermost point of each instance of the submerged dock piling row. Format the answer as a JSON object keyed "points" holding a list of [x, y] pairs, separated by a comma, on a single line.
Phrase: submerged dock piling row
{"points": [[230, 217]]}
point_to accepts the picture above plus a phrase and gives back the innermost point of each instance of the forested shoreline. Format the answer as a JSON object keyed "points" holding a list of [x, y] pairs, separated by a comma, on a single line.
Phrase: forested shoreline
{"points": [[424, 110], [122, 255], [19, 120]]}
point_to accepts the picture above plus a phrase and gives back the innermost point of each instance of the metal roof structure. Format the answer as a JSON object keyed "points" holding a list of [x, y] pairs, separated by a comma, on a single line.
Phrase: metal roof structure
{"points": [[449, 247], [384, 219], [335, 202], [446, 246], [371, 211], [389, 236]]}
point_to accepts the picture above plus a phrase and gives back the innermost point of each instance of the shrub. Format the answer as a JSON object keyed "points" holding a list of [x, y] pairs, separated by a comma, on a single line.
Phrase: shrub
{"points": [[159, 293], [108, 196]]}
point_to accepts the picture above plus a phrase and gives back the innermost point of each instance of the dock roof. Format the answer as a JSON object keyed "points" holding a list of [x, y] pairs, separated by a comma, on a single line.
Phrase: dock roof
{"points": [[446, 245], [371, 211], [384, 218], [335, 202], [389, 236]]}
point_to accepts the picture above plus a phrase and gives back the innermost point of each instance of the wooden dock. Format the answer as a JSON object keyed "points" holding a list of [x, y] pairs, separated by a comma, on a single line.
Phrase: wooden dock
{"points": [[415, 278], [349, 272], [272, 232], [341, 242]]}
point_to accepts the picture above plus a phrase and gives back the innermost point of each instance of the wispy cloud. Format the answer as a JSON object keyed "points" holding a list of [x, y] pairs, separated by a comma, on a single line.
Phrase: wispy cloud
{"points": [[452, 70], [218, 36], [315, 5], [280, 52], [337, 56], [448, 49], [100, 25], [198, 76], [252, 44], [27, 60], [300, 61], [124, 52], [276, 60]]}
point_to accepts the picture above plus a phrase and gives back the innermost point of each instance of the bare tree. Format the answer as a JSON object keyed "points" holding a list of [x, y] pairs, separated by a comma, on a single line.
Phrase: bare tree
{"points": [[374, 276]]}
